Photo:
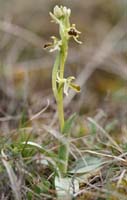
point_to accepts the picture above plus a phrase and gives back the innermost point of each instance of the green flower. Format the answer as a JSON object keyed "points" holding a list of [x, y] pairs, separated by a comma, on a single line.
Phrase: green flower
{"points": [[55, 45], [73, 32], [67, 83]]}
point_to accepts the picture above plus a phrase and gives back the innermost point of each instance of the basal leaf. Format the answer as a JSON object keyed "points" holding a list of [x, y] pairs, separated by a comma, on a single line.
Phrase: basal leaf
{"points": [[87, 164], [66, 187]]}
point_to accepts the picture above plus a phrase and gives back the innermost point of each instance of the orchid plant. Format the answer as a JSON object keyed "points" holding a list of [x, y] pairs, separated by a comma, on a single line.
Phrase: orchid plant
{"points": [[60, 84]]}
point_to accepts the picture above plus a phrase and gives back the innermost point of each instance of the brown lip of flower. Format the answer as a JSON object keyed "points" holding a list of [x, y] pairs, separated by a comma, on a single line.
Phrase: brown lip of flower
{"points": [[55, 45], [73, 32], [47, 45]]}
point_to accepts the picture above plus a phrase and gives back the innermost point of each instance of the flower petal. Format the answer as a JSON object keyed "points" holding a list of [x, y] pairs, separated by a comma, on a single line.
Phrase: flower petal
{"points": [[75, 87]]}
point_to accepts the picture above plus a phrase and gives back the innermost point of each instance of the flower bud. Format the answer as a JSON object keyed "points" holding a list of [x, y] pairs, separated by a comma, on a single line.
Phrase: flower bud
{"points": [[57, 12], [69, 12], [66, 11], [61, 11]]}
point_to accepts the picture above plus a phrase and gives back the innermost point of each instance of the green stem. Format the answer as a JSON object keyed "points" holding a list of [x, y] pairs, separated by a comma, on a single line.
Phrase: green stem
{"points": [[59, 66], [60, 91], [54, 76], [64, 148], [60, 110]]}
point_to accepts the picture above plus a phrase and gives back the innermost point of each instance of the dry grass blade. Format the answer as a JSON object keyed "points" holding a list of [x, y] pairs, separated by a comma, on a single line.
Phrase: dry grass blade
{"points": [[13, 179], [120, 178], [39, 113], [115, 158]]}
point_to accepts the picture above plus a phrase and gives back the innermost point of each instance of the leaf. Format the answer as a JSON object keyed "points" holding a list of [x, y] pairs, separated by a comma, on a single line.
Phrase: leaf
{"points": [[64, 147], [66, 187], [111, 125], [68, 123], [87, 164], [93, 128]]}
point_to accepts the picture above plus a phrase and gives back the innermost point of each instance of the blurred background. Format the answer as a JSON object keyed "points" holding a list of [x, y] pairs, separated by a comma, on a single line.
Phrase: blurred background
{"points": [[99, 64]]}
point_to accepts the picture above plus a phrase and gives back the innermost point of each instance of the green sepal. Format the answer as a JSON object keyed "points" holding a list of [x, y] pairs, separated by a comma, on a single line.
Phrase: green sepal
{"points": [[75, 87]]}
